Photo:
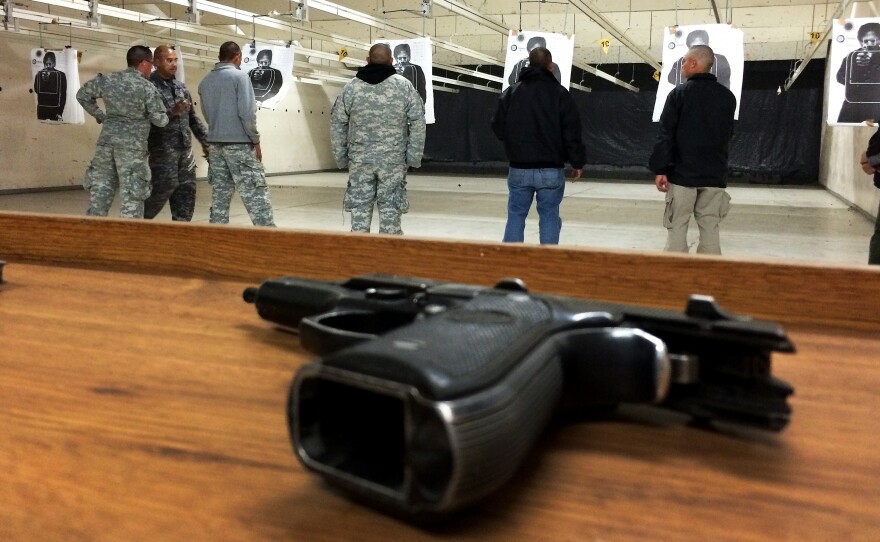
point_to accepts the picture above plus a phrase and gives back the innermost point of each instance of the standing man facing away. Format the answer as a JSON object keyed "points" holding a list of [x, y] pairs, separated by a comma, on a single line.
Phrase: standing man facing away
{"points": [[377, 129], [539, 124], [171, 158], [229, 106], [120, 162], [690, 157]]}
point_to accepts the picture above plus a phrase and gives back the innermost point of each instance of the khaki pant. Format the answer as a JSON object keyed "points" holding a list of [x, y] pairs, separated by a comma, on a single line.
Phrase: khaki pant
{"points": [[708, 205]]}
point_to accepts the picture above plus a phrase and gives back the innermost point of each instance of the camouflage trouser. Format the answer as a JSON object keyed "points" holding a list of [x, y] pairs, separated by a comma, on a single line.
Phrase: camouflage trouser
{"points": [[384, 185], [114, 168], [235, 165], [174, 181]]}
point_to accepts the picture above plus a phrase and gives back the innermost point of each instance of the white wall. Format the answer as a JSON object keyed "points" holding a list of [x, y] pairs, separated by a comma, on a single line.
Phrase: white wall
{"points": [[839, 169], [295, 136]]}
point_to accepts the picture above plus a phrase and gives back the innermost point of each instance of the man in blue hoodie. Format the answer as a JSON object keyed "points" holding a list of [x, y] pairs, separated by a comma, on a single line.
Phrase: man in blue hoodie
{"points": [[235, 161], [538, 122], [377, 130]]}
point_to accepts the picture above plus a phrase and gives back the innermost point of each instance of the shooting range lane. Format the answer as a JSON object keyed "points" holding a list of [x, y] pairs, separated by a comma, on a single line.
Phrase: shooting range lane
{"points": [[150, 406]]}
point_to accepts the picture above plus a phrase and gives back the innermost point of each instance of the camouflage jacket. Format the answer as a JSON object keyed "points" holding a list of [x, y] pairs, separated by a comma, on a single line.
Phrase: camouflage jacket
{"points": [[378, 118], [177, 134], [132, 103]]}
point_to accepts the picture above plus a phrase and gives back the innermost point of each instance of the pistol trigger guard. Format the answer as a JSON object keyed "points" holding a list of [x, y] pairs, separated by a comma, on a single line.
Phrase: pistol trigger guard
{"points": [[326, 333]]}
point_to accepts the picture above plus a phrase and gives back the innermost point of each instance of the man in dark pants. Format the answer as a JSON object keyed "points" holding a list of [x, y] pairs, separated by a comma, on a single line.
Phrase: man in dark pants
{"points": [[871, 165], [690, 157], [539, 124], [172, 165]]}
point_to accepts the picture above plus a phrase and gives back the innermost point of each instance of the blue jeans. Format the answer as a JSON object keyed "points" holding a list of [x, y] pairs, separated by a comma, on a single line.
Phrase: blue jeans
{"points": [[547, 186]]}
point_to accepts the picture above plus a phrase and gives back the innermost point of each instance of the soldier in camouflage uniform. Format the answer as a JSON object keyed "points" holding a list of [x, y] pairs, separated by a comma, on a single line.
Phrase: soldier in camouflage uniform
{"points": [[377, 129], [230, 108], [132, 104], [171, 158]]}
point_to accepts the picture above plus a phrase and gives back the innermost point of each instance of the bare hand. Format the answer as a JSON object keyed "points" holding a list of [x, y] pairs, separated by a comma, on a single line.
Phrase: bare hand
{"points": [[866, 165], [206, 150], [259, 152], [179, 108], [577, 175], [662, 183]]}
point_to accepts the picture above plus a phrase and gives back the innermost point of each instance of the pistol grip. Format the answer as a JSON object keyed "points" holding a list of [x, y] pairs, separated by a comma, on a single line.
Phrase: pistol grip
{"points": [[607, 366]]}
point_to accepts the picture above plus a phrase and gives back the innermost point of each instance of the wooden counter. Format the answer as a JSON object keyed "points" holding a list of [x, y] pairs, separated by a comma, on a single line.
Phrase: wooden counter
{"points": [[149, 405]]}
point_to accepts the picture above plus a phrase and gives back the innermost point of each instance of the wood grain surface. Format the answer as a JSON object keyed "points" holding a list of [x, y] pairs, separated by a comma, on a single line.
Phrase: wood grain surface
{"points": [[150, 405], [144, 407], [781, 291]]}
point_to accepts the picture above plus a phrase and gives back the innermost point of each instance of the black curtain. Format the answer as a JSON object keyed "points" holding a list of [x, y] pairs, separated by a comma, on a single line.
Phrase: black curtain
{"points": [[776, 139]]}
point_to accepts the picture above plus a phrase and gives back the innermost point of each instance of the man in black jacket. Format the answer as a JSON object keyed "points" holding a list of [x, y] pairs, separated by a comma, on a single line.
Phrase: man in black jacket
{"points": [[541, 129], [690, 157], [871, 165]]}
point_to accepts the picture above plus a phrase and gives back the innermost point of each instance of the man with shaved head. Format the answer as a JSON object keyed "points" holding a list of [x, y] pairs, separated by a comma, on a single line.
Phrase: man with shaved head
{"points": [[377, 130], [690, 157], [172, 164]]}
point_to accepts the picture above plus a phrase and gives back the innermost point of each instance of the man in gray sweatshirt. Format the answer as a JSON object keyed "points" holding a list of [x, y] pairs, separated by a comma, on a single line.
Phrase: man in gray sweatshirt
{"points": [[235, 161]]}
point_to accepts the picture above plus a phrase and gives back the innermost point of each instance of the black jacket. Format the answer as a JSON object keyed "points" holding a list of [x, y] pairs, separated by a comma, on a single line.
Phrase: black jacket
{"points": [[873, 154], [695, 129], [539, 123]]}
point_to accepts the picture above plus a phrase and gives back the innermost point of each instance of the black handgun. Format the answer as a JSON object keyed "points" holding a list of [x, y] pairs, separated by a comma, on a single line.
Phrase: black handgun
{"points": [[429, 395]]}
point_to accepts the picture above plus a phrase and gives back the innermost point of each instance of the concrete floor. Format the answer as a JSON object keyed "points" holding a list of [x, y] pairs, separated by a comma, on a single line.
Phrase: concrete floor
{"points": [[767, 223]]}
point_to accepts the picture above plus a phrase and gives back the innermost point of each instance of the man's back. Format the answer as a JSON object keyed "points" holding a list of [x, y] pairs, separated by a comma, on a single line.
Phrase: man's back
{"points": [[539, 123], [131, 104], [228, 104], [379, 117], [699, 118]]}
